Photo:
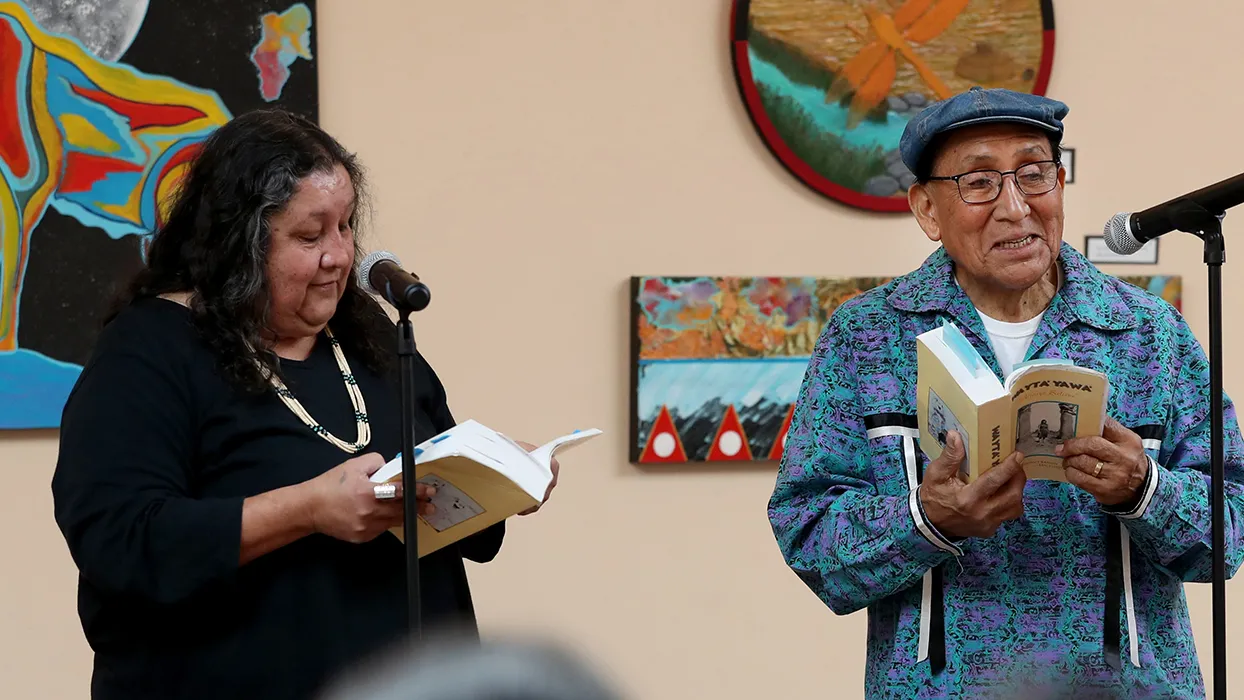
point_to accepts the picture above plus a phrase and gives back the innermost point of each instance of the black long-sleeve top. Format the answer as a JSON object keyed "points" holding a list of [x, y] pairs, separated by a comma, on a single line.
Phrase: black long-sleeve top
{"points": [[157, 454]]}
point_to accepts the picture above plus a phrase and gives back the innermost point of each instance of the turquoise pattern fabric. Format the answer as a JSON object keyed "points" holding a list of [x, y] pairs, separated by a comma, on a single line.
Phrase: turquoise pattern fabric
{"points": [[1026, 607]]}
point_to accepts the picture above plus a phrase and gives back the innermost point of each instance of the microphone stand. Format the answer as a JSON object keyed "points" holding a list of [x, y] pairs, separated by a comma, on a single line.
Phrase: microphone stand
{"points": [[1190, 217], [406, 361]]}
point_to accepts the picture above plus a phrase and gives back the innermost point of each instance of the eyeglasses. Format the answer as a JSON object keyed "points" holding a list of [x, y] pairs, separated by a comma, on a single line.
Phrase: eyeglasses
{"points": [[983, 186]]}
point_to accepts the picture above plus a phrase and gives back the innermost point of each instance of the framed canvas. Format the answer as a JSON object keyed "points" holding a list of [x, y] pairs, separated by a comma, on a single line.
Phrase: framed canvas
{"points": [[716, 362], [105, 104], [1069, 163]]}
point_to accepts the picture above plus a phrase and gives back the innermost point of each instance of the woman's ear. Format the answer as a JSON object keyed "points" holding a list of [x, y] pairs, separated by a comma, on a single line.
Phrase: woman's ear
{"points": [[920, 200]]}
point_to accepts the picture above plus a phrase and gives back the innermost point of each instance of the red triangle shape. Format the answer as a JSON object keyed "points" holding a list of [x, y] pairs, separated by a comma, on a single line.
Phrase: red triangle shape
{"points": [[730, 443], [779, 445], [664, 445]]}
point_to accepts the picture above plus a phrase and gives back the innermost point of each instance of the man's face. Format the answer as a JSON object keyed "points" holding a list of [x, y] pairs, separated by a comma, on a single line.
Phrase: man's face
{"points": [[1007, 244]]}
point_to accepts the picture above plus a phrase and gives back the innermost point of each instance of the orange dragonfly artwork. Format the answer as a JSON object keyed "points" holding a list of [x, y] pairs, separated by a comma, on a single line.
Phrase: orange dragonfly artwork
{"points": [[870, 73]]}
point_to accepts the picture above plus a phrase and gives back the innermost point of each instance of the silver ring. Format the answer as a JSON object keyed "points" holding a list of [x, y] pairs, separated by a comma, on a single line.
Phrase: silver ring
{"points": [[385, 492]]}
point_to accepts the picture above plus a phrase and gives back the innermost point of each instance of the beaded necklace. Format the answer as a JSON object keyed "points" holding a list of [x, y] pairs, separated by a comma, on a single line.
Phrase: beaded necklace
{"points": [[356, 398]]}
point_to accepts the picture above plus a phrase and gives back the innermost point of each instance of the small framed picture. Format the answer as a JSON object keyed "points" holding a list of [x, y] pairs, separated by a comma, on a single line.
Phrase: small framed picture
{"points": [[1069, 162], [1096, 250]]}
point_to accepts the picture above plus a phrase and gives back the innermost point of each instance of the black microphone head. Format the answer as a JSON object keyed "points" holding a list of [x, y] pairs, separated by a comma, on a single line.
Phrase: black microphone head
{"points": [[1119, 236], [368, 262]]}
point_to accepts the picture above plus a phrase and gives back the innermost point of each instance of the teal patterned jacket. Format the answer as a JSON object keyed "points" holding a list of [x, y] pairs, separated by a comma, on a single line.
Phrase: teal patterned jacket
{"points": [[1069, 599]]}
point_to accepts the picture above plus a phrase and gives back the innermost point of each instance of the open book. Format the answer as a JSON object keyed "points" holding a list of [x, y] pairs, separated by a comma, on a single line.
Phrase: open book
{"points": [[1041, 404], [481, 478]]}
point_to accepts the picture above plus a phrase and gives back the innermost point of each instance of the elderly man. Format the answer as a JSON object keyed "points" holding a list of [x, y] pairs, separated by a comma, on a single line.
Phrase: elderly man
{"points": [[986, 589]]}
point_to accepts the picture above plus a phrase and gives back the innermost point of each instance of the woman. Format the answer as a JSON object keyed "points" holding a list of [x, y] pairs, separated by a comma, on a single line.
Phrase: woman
{"points": [[212, 483]]}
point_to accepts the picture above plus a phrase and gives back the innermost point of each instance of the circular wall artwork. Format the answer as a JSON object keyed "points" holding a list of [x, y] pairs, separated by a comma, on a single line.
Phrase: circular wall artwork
{"points": [[830, 84]]}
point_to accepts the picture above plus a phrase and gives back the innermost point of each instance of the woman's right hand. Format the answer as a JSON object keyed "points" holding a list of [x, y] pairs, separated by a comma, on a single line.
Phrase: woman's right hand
{"points": [[343, 504]]}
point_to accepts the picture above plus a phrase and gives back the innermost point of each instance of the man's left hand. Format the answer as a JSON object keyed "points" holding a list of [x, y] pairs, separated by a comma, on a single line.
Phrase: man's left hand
{"points": [[1110, 467], [547, 492]]}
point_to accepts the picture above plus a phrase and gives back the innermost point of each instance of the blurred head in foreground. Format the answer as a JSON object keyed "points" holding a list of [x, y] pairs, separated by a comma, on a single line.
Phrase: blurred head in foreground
{"points": [[494, 670]]}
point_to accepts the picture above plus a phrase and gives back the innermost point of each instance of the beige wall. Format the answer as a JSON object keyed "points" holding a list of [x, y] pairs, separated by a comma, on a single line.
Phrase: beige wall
{"points": [[527, 157]]}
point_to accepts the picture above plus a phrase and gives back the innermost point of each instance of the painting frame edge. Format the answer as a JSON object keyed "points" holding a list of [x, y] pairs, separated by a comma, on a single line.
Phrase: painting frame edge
{"points": [[633, 450]]}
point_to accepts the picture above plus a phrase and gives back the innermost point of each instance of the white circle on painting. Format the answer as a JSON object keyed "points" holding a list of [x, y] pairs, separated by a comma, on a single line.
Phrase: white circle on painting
{"points": [[730, 443], [106, 28], [663, 445]]}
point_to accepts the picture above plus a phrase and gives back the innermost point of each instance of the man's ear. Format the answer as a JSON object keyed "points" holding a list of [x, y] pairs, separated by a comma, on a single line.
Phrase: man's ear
{"points": [[920, 200]]}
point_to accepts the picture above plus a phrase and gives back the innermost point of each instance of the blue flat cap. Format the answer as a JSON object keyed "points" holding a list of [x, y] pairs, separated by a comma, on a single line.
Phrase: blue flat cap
{"points": [[979, 106]]}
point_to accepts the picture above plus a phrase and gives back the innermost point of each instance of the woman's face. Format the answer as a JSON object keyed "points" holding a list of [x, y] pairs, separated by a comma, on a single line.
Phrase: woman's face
{"points": [[311, 254]]}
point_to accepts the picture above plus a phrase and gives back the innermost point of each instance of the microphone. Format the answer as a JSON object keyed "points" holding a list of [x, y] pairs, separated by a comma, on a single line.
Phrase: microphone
{"points": [[381, 273], [1126, 233]]}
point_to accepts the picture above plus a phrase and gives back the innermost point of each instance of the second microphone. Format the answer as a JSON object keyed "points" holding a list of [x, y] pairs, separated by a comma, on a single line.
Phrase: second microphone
{"points": [[381, 273]]}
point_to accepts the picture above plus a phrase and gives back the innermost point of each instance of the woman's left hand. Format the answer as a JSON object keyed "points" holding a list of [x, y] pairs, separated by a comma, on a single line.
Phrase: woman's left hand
{"points": [[1111, 467], [555, 467]]}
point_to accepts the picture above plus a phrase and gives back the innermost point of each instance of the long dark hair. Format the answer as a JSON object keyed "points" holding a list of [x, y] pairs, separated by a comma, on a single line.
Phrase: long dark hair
{"points": [[214, 243]]}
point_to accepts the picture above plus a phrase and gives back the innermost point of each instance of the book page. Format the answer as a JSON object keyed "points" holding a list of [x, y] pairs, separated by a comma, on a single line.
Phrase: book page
{"points": [[1051, 405], [453, 506], [544, 453], [979, 382], [942, 420], [480, 444]]}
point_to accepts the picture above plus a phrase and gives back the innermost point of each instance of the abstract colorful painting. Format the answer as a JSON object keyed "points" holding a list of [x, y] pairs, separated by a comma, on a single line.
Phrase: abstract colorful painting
{"points": [[102, 104], [717, 362], [831, 84]]}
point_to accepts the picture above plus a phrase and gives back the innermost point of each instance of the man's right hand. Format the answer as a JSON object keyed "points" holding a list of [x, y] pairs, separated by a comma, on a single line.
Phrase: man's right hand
{"points": [[957, 509]]}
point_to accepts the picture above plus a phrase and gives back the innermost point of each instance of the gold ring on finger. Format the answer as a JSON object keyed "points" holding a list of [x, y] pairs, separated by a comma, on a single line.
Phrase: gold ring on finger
{"points": [[1097, 470]]}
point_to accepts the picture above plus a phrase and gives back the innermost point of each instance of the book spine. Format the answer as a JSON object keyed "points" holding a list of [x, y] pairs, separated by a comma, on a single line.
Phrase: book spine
{"points": [[996, 433]]}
